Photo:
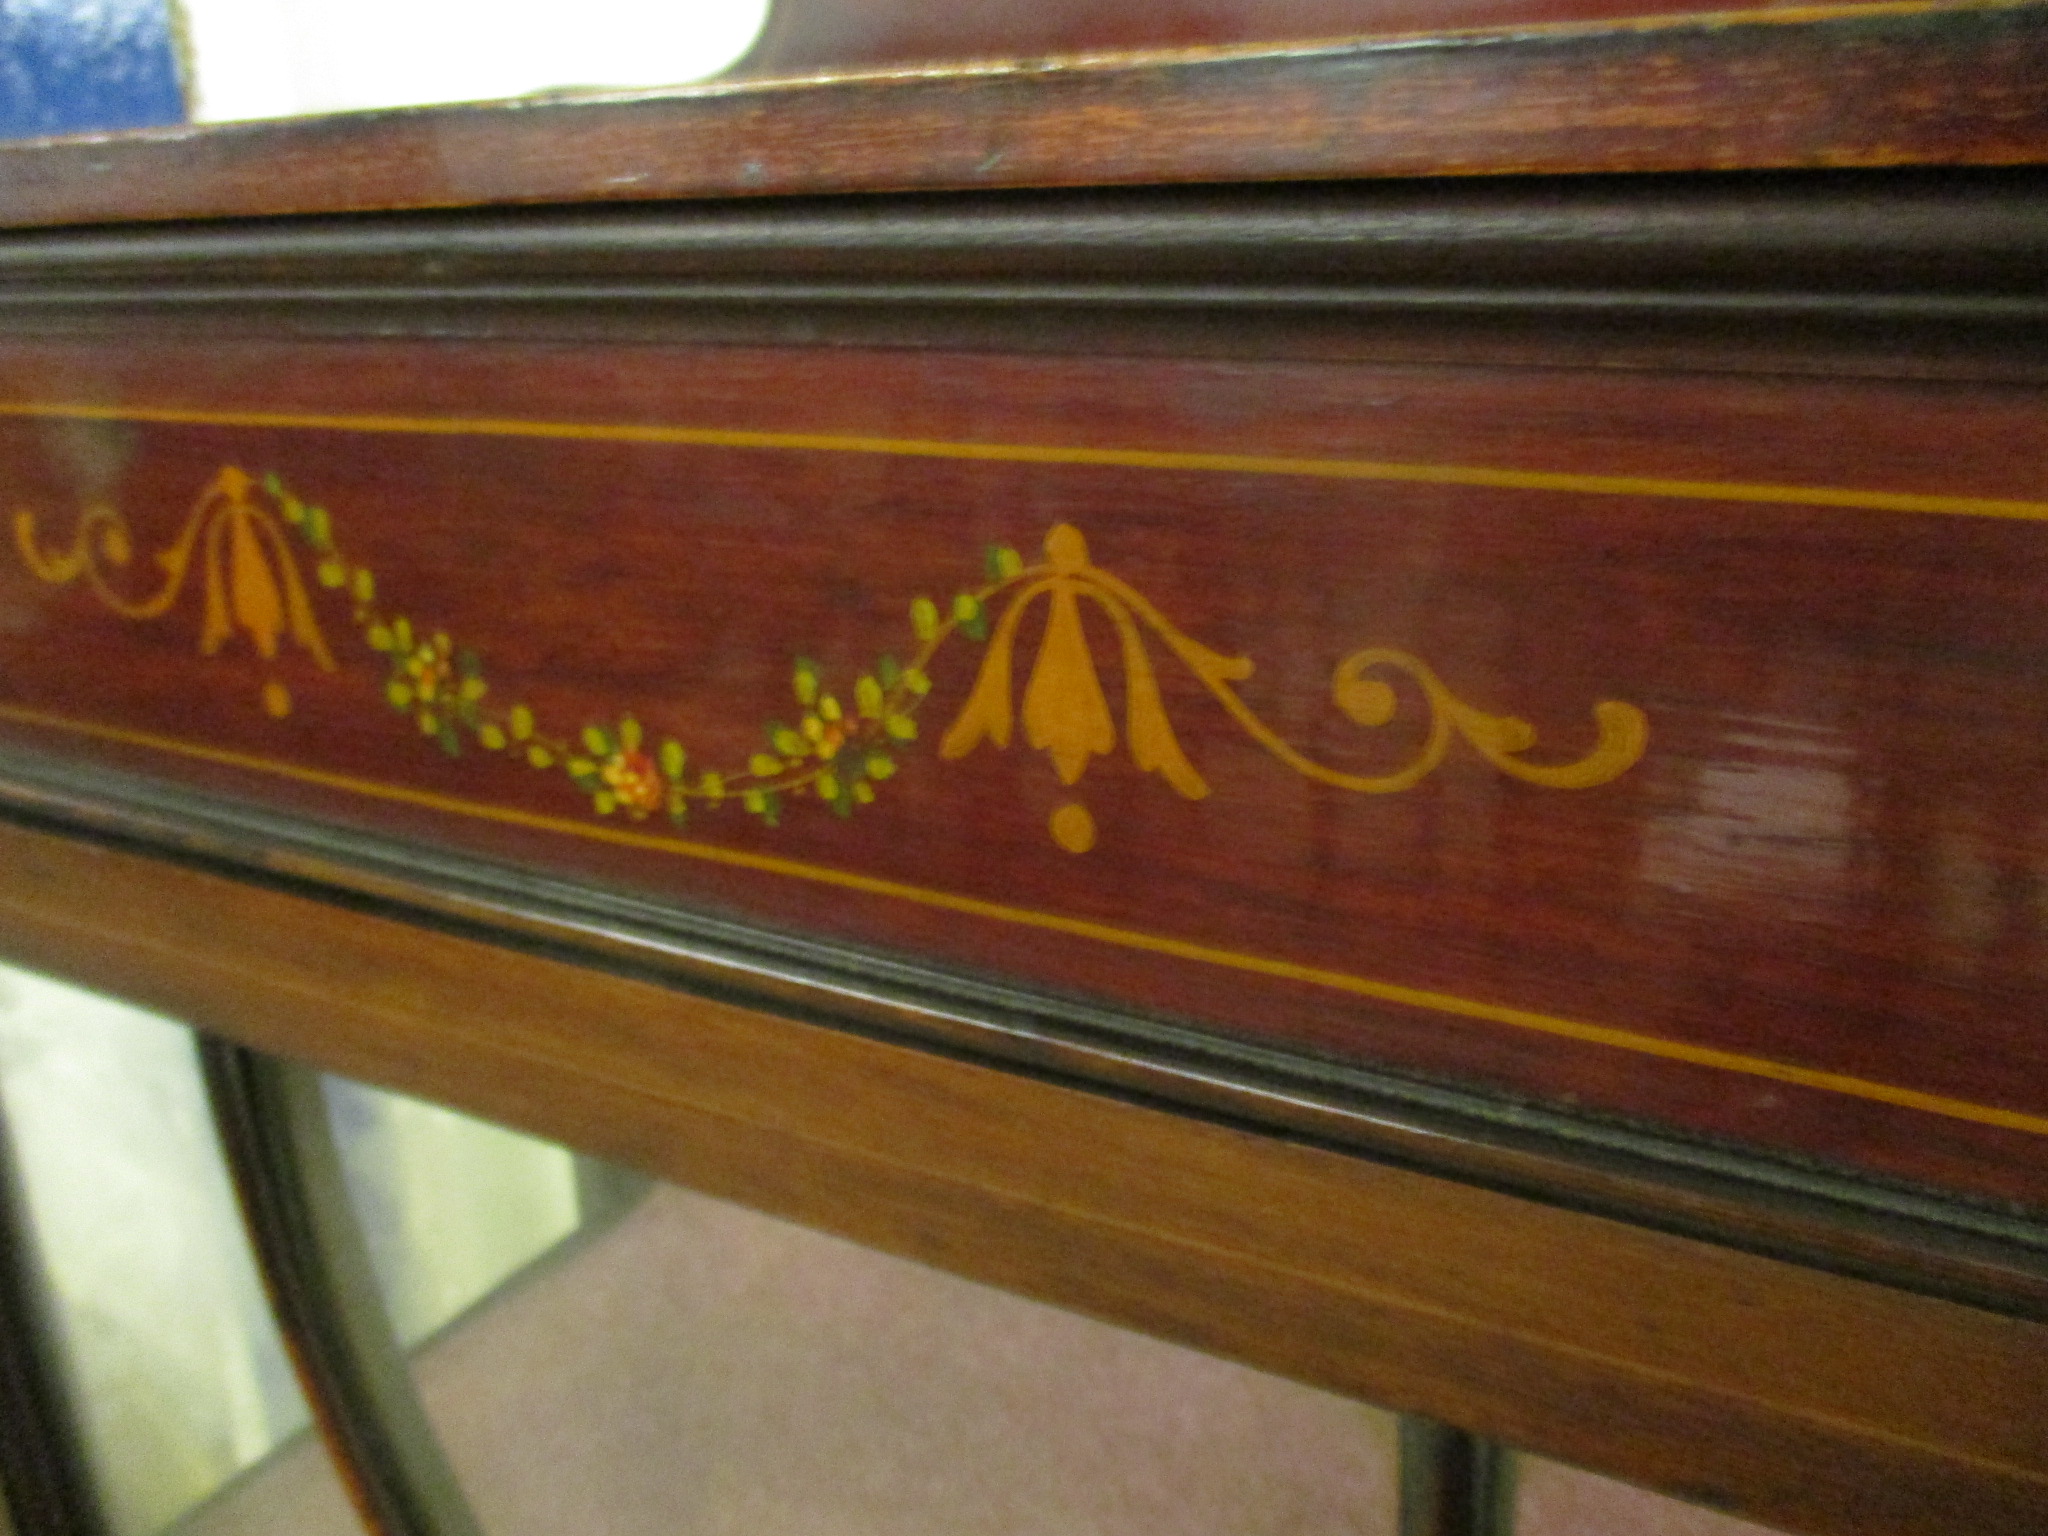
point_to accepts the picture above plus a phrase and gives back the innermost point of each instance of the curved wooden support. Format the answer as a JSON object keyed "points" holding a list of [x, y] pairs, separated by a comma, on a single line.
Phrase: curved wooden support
{"points": [[309, 1249]]}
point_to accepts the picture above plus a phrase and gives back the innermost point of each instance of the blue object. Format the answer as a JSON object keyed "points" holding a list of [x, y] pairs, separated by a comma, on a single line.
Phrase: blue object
{"points": [[70, 66]]}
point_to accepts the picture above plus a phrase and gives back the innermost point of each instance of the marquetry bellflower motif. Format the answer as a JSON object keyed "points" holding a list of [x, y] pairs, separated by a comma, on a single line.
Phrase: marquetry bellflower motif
{"points": [[840, 744], [1065, 712], [250, 573], [1066, 715]]}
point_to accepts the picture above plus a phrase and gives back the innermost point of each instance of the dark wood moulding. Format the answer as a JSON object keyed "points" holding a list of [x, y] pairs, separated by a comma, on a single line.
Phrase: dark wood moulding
{"points": [[1931, 273], [1877, 85]]}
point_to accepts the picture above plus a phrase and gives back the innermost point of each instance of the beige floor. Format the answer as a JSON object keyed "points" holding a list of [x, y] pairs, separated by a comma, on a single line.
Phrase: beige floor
{"points": [[703, 1371]]}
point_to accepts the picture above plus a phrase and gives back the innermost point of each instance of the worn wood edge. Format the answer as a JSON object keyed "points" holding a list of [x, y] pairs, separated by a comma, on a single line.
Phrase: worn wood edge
{"points": [[1845, 1223], [1811, 1401], [1879, 85]]}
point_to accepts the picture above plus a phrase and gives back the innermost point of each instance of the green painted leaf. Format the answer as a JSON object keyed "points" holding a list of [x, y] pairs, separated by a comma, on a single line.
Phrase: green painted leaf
{"points": [[379, 636], [924, 618], [597, 740], [881, 765], [491, 737], [672, 759], [867, 698], [522, 722], [629, 734], [888, 669]]}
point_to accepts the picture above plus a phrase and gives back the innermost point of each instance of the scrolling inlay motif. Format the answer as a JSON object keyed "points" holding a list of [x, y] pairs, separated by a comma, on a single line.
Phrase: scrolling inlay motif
{"points": [[240, 530]]}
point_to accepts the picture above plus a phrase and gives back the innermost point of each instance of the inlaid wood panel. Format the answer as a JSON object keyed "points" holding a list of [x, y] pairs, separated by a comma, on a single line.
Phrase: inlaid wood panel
{"points": [[1663, 745]]}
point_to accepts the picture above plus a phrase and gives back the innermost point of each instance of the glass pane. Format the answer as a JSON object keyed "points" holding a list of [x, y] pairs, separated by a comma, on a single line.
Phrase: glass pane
{"points": [[450, 1207], [695, 1366], [1555, 1500], [173, 1362]]}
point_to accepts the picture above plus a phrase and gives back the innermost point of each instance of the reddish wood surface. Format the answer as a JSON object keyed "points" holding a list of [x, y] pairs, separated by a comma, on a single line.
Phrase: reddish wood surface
{"points": [[1830, 860], [803, 36], [1879, 85]]}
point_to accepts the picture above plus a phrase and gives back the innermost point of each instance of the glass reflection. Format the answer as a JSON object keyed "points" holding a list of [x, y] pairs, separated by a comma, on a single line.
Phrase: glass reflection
{"points": [[450, 1207], [174, 1365]]}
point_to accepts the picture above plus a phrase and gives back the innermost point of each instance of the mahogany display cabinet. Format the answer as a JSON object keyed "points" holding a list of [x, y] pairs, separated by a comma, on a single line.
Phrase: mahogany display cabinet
{"points": [[1379, 705]]}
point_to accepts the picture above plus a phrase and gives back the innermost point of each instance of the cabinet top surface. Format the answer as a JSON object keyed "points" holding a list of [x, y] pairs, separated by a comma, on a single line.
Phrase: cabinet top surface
{"points": [[1844, 86]]}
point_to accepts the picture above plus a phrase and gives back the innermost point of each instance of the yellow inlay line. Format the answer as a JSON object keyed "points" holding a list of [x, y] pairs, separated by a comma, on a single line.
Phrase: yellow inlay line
{"points": [[1119, 458], [1052, 922], [1021, 453]]}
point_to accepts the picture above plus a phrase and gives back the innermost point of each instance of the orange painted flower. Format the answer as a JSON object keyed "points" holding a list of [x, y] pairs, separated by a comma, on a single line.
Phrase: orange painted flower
{"points": [[635, 781], [431, 672]]}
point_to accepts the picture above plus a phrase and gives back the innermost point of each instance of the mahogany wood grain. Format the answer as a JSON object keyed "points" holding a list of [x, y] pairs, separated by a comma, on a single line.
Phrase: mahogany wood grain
{"points": [[809, 36], [1880, 85], [1808, 1401], [1805, 920]]}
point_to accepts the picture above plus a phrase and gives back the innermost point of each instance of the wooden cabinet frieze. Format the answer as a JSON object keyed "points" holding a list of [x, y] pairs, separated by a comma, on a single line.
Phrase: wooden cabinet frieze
{"points": [[1666, 745]]}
